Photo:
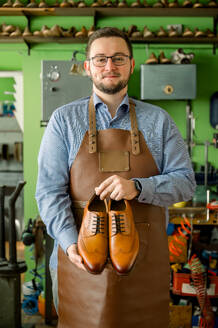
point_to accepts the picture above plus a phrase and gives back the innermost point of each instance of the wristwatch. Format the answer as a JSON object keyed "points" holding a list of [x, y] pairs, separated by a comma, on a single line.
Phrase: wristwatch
{"points": [[138, 186]]}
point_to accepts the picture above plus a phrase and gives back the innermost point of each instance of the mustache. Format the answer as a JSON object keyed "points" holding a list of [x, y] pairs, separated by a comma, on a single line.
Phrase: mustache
{"points": [[111, 73]]}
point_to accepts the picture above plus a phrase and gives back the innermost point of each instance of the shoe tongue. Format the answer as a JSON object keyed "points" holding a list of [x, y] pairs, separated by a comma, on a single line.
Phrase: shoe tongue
{"points": [[100, 214], [92, 221], [124, 223]]}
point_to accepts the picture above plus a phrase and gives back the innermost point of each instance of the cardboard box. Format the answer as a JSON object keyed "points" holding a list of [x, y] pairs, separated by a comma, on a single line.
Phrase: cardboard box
{"points": [[180, 316]]}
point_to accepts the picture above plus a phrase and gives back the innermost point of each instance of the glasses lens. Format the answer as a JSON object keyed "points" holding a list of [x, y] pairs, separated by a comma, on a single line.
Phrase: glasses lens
{"points": [[119, 60], [99, 61]]}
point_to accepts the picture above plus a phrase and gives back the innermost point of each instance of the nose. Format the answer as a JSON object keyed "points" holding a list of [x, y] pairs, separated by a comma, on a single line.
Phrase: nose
{"points": [[109, 64]]}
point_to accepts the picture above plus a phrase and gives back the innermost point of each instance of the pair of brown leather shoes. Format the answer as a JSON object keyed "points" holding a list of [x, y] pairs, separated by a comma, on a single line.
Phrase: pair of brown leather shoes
{"points": [[108, 230]]}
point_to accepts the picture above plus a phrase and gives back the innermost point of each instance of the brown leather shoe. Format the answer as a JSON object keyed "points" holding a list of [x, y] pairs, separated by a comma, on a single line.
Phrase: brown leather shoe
{"points": [[123, 236], [93, 237]]}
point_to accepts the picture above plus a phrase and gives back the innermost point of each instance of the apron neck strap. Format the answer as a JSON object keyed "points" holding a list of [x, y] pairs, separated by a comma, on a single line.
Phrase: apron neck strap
{"points": [[134, 129], [92, 128], [93, 133]]}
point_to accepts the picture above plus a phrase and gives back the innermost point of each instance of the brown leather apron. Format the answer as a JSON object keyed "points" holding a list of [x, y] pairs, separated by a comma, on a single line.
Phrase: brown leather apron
{"points": [[140, 299]]}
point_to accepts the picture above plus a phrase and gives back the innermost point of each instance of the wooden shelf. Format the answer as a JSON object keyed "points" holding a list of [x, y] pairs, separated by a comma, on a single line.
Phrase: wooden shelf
{"points": [[67, 40], [27, 11], [6, 39], [192, 40], [114, 11], [195, 214], [106, 12]]}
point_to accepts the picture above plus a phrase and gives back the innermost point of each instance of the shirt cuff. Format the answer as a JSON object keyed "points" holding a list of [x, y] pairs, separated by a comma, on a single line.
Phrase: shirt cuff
{"points": [[148, 189], [67, 238]]}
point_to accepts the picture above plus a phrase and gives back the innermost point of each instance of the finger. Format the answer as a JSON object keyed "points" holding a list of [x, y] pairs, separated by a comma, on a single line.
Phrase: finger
{"points": [[114, 194], [76, 258], [81, 266], [106, 192], [104, 185], [118, 197]]}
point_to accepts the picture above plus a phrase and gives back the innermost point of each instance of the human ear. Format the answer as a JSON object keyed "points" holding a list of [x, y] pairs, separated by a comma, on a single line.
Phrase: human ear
{"points": [[132, 65], [87, 67]]}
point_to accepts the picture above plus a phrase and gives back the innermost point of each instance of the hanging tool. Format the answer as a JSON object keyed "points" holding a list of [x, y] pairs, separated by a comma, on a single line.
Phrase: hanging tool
{"points": [[199, 278], [11, 269], [176, 244]]}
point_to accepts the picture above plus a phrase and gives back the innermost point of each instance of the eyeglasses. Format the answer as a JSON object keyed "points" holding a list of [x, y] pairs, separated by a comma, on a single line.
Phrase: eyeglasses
{"points": [[117, 60]]}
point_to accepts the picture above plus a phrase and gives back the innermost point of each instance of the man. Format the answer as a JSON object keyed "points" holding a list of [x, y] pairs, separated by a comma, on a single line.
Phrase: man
{"points": [[158, 174]]}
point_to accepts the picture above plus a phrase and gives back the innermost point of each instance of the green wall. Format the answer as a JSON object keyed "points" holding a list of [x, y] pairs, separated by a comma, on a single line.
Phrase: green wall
{"points": [[15, 57]]}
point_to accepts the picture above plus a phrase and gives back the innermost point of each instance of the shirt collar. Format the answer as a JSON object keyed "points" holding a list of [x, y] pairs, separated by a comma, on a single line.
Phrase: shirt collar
{"points": [[124, 104]]}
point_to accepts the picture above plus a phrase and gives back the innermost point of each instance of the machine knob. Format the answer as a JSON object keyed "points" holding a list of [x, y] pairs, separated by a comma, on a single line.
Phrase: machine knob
{"points": [[53, 75], [53, 89], [168, 89]]}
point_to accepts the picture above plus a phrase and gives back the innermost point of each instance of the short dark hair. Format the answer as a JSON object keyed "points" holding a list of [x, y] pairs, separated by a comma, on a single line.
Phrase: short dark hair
{"points": [[107, 32]]}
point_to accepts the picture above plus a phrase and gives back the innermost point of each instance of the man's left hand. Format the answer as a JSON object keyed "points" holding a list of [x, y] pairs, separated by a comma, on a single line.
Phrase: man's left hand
{"points": [[117, 188]]}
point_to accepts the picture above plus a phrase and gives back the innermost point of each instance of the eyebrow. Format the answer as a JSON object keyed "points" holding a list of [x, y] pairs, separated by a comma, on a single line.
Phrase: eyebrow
{"points": [[116, 53]]}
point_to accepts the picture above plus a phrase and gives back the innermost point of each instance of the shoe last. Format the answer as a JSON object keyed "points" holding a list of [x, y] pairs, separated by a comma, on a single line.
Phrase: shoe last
{"points": [[123, 236], [152, 59], [93, 236]]}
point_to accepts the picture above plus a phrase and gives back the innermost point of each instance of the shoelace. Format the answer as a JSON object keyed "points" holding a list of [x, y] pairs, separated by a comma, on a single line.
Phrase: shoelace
{"points": [[118, 224], [98, 224]]}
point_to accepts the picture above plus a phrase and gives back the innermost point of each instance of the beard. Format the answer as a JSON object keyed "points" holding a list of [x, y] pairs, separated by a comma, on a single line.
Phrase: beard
{"points": [[111, 90]]}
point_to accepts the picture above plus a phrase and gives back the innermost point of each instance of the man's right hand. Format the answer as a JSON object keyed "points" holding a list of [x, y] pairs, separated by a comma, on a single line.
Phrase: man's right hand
{"points": [[74, 256]]}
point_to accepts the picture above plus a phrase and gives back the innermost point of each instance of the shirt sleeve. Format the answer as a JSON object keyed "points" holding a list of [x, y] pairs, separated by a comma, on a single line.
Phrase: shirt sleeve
{"points": [[176, 181], [52, 194]]}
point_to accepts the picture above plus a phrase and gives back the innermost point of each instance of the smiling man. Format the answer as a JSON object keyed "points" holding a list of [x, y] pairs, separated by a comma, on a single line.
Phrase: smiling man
{"points": [[156, 174]]}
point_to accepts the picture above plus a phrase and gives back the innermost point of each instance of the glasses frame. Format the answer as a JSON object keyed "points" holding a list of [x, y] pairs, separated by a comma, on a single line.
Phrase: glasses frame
{"points": [[107, 57]]}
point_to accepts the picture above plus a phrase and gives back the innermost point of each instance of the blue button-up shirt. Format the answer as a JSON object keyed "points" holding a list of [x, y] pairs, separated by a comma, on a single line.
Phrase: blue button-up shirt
{"points": [[61, 142]]}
